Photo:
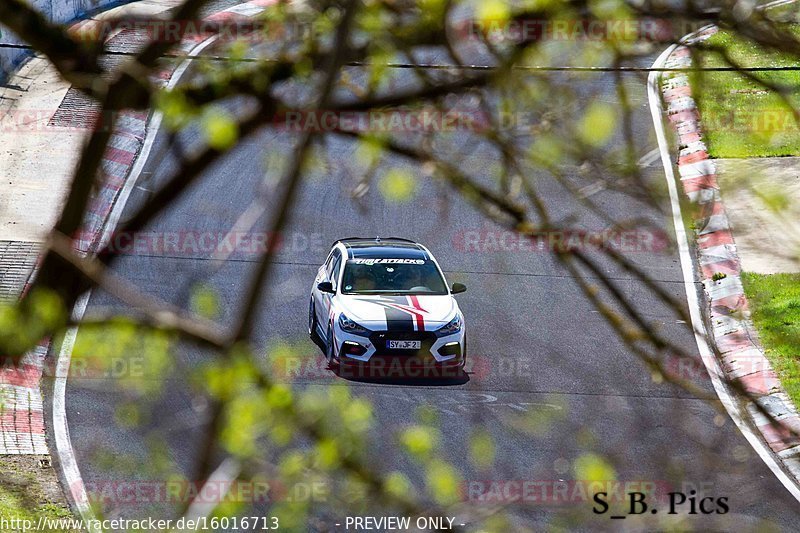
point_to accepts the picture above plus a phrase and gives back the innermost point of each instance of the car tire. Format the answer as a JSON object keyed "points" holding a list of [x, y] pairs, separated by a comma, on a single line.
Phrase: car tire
{"points": [[329, 347], [312, 320]]}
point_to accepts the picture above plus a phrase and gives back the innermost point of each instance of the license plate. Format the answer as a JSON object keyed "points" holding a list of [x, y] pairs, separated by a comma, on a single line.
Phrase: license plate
{"points": [[404, 345]]}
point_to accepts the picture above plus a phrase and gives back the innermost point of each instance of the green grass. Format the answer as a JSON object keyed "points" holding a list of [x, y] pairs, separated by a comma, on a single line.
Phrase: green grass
{"points": [[775, 305], [28, 492], [741, 117]]}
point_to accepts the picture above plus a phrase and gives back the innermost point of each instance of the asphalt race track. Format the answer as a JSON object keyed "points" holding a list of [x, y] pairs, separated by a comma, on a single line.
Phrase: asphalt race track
{"points": [[538, 351]]}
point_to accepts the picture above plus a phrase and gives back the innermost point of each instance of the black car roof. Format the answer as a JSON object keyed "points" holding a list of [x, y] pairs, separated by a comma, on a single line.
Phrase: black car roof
{"points": [[392, 247]]}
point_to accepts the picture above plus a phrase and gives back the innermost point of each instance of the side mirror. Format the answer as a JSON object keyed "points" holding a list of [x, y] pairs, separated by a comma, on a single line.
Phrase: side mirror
{"points": [[326, 286], [458, 287]]}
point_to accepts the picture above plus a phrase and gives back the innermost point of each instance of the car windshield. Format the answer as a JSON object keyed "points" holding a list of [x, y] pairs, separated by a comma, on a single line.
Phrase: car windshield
{"points": [[395, 276]]}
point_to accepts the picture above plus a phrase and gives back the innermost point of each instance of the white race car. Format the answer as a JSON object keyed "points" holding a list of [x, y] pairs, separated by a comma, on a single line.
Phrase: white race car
{"points": [[384, 303]]}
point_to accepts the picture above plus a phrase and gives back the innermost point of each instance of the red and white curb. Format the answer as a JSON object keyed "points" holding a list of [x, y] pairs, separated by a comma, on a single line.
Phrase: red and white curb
{"points": [[22, 428], [21, 413], [742, 359]]}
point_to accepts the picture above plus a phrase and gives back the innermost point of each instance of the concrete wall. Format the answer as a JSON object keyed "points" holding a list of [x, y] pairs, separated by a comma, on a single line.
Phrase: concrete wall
{"points": [[57, 11]]}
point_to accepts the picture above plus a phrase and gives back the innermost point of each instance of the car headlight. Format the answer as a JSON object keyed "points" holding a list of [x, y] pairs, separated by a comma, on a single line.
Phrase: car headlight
{"points": [[454, 326], [352, 327]]}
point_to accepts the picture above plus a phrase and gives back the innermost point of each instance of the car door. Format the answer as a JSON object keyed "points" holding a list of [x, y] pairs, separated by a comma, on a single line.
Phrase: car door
{"points": [[316, 295], [330, 274]]}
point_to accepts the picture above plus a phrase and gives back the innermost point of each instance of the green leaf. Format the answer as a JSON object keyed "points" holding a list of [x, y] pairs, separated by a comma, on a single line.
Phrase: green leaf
{"points": [[493, 13], [242, 428], [220, 128], [175, 109], [591, 467], [597, 125], [546, 150], [292, 463], [47, 307], [205, 302], [368, 150], [397, 484], [279, 396], [419, 441], [357, 415], [327, 453], [443, 482], [432, 10], [398, 185]]}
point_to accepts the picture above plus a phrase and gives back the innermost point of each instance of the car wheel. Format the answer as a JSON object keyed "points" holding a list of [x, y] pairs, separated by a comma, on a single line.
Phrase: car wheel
{"points": [[312, 319], [329, 347]]}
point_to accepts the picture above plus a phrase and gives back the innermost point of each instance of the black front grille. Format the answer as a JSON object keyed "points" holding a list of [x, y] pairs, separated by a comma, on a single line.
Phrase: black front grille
{"points": [[379, 338]]}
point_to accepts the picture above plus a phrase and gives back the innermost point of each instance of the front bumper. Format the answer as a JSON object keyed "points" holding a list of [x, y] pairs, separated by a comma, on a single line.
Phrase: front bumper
{"points": [[356, 351]]}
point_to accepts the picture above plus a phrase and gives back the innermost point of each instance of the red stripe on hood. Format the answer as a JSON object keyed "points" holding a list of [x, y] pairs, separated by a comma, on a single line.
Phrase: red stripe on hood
{"points": [[415, 304]]}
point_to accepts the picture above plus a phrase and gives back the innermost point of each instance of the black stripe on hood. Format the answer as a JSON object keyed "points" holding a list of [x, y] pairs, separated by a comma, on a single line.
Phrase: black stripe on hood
{"points": [[396, 320]]}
